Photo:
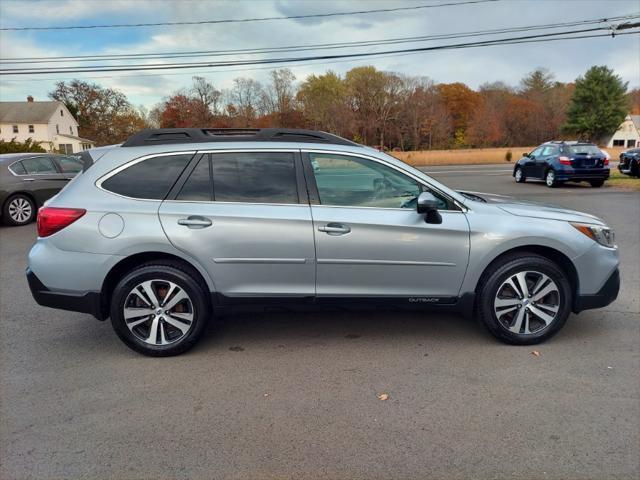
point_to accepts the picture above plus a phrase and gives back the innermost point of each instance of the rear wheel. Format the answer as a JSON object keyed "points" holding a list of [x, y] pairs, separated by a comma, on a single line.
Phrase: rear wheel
{"points": [[19, 210], [524, 299], [634, 168], [519, 176], [160, 309], [596, 183], [550, 179]]}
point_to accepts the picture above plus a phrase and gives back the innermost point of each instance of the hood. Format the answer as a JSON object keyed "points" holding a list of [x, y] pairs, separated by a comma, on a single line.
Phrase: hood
{"points": [[525, 208]]}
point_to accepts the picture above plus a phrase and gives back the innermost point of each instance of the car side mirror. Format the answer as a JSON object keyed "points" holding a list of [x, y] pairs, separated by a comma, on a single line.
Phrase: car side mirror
{"points": [[428, 204], [525, 154]]}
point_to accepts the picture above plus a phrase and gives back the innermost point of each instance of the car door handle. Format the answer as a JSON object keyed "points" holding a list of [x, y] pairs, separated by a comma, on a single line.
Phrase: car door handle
{"points": [[28, 179], [335, 229], [195, 222]]}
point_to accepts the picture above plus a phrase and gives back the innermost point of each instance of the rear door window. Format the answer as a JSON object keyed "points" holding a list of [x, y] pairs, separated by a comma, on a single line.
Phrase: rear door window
{"points": [[69, 164], [198, 186], [254, 177], [549, 150], [41, 165], [149, 179], [18, 168]]}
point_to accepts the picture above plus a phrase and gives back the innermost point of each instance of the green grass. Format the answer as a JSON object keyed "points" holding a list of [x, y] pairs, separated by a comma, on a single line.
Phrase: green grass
{"points": [[620, 180]]}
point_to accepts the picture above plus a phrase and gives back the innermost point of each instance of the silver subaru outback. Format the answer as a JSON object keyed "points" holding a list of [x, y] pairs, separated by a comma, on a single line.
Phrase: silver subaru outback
{"points": [[175, 226]]}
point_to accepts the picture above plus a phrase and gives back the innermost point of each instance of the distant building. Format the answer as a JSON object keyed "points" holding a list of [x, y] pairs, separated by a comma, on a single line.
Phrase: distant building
{"points": [[628, 133], [49, 123]]}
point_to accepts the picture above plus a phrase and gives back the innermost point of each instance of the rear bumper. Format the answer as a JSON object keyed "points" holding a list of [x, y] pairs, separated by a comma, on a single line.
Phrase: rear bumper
{"points": [[90, 302], [583, 174], [606, 295]]}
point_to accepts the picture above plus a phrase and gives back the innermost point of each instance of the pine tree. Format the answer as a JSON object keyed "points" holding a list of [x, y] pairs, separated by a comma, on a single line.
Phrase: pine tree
{"points": [[598, 105]]}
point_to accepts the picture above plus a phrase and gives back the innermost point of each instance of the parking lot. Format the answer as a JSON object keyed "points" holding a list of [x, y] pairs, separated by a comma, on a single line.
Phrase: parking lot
{"points": [[296, 395]]}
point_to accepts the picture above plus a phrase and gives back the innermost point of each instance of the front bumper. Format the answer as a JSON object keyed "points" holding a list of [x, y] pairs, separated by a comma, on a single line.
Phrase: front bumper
{"points": [[90, 302], [606, 295]]}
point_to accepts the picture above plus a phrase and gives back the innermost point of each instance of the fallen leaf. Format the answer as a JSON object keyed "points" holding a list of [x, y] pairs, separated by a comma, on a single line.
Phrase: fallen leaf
{"points": [[266, 394], [535, 353], [383, 396]]}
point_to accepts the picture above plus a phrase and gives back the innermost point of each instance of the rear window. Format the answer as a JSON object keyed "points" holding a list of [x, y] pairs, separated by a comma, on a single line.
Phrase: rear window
{"points": [[584, 150], [254, 177], [149, 179]]}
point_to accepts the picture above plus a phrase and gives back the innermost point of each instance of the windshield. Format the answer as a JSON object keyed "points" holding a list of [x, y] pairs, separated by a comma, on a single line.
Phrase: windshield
{"points": [[584, 150]]}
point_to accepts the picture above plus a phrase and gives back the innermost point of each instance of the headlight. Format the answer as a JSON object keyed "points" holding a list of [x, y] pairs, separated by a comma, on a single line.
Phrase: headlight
{"points": [[603, 235]]}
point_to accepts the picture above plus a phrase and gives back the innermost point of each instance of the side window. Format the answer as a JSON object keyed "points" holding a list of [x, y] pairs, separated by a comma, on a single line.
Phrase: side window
{"points": [[70, 164], [198, 186], [18, 168], [254, 177], [549, 150], [536, 152], [149, 179], [39, 166], [357, 182]]}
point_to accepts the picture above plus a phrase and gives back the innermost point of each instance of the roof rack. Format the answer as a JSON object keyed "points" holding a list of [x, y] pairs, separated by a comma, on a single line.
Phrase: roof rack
{"points": [[165, 136]]}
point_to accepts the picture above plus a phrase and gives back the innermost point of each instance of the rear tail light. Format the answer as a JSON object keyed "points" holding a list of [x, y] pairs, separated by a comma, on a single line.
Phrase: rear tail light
{"points": [[606, 161], [52, 220], [565, 160]]}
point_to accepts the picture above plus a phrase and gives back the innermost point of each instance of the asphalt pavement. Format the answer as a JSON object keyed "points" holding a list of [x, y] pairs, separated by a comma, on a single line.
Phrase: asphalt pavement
{"points": [[296, 395]]}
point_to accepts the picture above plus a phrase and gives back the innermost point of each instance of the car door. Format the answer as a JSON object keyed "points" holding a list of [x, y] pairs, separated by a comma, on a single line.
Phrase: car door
{"points": [[246, 217], [41, 177], [530, 167], [546, 158], [370, 240]]}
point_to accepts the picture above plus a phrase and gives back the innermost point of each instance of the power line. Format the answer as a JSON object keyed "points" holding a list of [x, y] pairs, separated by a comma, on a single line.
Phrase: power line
{"points": [[300, 48], [171, 66], [311, 62], [246, 20]]}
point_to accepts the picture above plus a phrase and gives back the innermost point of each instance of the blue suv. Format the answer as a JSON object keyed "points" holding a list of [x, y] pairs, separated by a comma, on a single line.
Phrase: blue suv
{"points": [[557, 162]]}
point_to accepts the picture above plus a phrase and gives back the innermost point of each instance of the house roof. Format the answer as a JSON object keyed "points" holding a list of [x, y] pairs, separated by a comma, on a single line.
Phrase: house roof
{"points": [[636, 121], [28, 112], [80, 139]]}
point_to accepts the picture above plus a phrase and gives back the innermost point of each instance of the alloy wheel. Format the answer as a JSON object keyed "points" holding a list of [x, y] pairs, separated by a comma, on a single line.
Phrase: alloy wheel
{"points": [[518, 175], [551, 178], [20, 210], [158, 312], [527, 302]]}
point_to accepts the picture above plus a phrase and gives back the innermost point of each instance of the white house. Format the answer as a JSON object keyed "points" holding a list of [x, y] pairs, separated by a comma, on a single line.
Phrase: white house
{"points": [[628, 133], [49, 123]]}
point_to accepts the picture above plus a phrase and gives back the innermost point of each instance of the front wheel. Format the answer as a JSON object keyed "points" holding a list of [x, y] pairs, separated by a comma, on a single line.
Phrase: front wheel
{"points": [[550, 179], [519, 176], [596, 183], [525, 299], [160, 309]]}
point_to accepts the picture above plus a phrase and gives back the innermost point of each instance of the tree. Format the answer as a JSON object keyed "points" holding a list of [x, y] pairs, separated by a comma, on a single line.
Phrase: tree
{"points": [[461, 102], [278, 97], [244, 101], [324, 101], [180, 111], [18, 147], [598, 105], [103, 114], [634, 100]]}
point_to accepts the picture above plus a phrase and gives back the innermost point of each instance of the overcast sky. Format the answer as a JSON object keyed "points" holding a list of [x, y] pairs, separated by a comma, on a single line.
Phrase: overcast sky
{"points": [[567, 59]]}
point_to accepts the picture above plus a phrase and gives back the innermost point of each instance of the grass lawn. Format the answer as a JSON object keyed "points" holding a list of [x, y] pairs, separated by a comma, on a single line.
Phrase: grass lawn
{"points": [[620, 180]]}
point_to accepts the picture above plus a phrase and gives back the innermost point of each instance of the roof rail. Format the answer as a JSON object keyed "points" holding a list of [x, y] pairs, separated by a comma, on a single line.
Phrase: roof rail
{"points": [[165, 136]]}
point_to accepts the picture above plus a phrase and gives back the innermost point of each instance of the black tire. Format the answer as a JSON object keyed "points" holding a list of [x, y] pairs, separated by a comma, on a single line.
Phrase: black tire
{"points": [[521, 178], [499, 272], [19, 210], [183, 277], [550, 178], [596, 183], [634, 169]]}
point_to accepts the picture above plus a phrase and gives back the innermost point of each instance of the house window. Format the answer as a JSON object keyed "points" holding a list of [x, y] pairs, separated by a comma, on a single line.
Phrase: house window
{"points": [[61, 113], [86, 146], [618, 143], [15, 129], [57, 129], [631, 143], [31, 129], [66, 148], [70, 129]]}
